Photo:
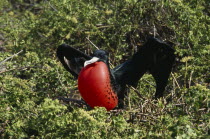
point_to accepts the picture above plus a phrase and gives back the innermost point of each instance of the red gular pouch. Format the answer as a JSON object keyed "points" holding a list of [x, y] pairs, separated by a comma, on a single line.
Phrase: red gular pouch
{"points": [[95, 86]]}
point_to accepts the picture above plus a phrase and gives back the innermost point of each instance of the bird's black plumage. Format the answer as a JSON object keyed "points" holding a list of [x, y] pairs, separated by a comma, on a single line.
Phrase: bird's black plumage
{"points": [[154, 56], [72, 59]]}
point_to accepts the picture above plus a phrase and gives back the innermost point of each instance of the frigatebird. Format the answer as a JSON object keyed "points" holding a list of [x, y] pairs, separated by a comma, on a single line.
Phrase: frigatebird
{"points": [[100, 85]]}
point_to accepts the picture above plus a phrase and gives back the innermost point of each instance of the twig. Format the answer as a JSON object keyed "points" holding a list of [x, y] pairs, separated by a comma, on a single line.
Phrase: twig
{"points": [[10, 57], [154, 30], [180, 104], [92, 43], [22, 68], [59, 79], [149, 82], [190, 81], [137, 92], [72, 100], [202, 109], [104, 26], [51, 6], [175, 80]]}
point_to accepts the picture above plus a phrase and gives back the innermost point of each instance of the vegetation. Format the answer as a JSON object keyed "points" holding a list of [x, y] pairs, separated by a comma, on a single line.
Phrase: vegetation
{"points": [[31, 77]]}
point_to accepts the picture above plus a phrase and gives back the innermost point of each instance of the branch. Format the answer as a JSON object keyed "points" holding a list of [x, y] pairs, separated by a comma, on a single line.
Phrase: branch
{"points": [[149, 82], [137, 92], [21, 68], [11, 57], [92, 43], [175, 80]]}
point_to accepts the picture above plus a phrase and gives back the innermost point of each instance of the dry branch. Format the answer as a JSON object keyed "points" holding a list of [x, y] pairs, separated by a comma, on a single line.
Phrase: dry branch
{"points": [[8, 58]]}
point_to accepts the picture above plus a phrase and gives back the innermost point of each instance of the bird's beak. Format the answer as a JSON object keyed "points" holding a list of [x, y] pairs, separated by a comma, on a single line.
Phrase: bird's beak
{"points": [[93, 60]]}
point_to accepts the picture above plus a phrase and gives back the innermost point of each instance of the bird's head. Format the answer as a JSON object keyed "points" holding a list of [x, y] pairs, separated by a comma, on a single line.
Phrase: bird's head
{"points": [[98, 55]]}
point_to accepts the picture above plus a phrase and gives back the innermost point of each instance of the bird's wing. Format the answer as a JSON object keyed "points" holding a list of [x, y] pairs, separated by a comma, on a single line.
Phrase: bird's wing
{"points": [[72, 59], [154, 56]]}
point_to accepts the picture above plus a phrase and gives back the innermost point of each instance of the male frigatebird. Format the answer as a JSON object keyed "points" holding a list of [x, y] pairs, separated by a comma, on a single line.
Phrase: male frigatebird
{"points": [[99, 85]]}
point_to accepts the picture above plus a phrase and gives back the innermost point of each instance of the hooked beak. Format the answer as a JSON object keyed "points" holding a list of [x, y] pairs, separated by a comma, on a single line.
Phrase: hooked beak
{"points": [[93, 60]]}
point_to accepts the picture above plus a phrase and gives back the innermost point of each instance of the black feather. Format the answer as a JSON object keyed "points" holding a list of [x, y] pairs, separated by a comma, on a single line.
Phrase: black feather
{"points": [[72, 59]]}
